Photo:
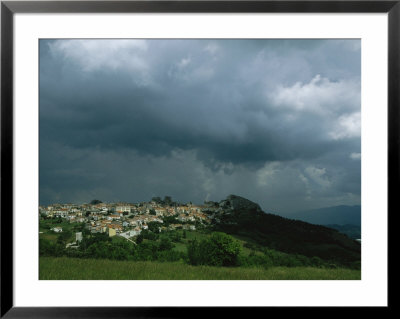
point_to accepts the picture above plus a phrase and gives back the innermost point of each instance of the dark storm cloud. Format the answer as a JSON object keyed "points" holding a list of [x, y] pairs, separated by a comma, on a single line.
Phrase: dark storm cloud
{"points": [[231, 107]]}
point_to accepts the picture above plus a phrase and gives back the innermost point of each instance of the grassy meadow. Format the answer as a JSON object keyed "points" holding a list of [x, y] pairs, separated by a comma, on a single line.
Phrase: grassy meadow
{"points": [[63, 268]]}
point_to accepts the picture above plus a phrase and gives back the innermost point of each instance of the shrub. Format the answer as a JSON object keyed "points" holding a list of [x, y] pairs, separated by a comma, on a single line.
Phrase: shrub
{"points": [[316, 261]]}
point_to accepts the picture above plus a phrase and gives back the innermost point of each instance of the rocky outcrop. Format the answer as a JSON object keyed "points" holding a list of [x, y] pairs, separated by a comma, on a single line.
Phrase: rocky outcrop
{"points": [[236, 203]]}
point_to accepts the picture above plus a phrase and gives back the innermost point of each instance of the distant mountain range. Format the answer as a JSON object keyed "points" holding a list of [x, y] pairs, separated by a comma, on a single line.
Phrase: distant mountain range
{"points": [[336, 215]]}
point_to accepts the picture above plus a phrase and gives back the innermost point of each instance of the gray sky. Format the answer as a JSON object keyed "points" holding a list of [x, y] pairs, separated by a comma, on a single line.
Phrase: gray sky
{"points": [[275, 121]]}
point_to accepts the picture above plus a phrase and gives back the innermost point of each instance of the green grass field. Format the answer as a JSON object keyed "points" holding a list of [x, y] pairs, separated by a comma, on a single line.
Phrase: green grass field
{"points": [[51, 268]]}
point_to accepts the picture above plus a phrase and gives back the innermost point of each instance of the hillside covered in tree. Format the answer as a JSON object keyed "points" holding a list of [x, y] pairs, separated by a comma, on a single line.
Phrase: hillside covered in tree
{"points": [[237, 215]]}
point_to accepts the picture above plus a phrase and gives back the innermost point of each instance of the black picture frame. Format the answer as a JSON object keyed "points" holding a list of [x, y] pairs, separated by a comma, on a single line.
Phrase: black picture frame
{"points": [[9, 8]]}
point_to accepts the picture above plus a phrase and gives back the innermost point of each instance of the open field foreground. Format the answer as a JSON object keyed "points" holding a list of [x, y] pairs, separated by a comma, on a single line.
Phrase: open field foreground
{"points": [[102, 269]]}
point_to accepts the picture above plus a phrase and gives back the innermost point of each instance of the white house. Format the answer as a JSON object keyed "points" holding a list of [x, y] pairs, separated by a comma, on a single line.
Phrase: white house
{"points": [[130, 233], [78, 236], [123, 209]]}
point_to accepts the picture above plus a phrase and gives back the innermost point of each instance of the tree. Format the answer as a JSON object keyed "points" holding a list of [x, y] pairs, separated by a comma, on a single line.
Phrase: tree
{"points": [[139, 239], [149, 235], [165, 244], [154, 227], [168, 200], [64, 237], [170, 220], [95, 201], [175, 236], [219, 249]]}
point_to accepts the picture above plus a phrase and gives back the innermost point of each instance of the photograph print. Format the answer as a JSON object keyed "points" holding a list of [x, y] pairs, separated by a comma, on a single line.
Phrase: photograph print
{"points": [[199, 159]]}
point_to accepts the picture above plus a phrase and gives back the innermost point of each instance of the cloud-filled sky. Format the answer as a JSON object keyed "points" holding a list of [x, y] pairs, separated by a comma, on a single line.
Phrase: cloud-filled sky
{"points": [[275, 121]]}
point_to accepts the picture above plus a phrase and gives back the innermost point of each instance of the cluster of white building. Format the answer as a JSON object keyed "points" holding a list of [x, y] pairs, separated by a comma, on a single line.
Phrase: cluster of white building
{"points": [[125, 219]]}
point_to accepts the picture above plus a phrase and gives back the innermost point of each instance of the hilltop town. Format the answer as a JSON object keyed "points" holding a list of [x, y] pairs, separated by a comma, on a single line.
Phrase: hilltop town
{"points": [[130, 219], [232, 232]]}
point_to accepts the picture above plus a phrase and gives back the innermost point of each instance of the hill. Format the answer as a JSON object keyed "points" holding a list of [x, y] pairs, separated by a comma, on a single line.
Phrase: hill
{"points": [[339, 215], [353, 231], [237, 215]]}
